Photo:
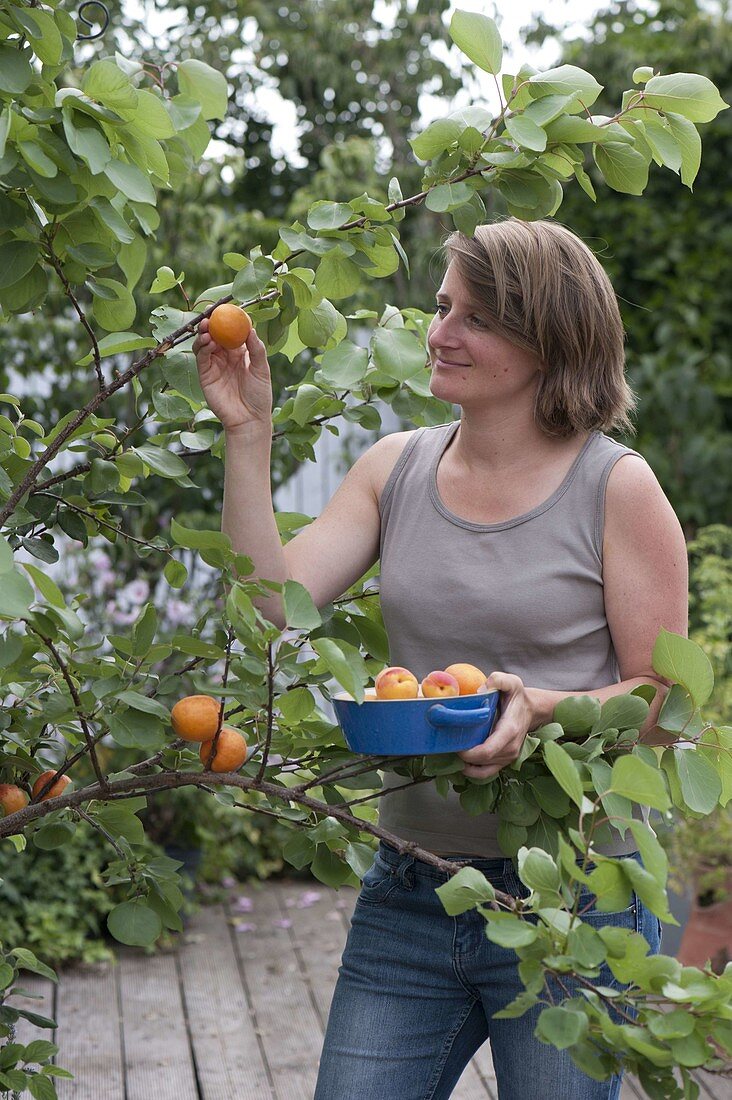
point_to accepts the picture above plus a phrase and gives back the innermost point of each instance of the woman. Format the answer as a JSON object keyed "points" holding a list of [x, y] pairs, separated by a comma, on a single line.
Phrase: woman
{"points": [[520, 538]]}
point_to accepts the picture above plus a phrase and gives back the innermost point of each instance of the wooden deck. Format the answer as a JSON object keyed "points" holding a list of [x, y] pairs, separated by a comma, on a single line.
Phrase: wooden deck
{"points": [[232, 1012]]}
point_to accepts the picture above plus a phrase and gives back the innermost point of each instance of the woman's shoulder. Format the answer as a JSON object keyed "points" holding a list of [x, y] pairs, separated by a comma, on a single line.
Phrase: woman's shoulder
{"points": [[384, 455]]}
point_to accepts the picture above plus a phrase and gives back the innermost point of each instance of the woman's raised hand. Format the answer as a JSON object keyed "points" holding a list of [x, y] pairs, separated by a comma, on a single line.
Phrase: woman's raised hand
{"points": [[236, 384]]}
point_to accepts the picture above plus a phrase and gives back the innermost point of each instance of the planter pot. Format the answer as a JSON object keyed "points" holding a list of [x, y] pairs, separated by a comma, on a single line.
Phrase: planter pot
{"points": [[708, 934], [681, 906], [191, 859]]}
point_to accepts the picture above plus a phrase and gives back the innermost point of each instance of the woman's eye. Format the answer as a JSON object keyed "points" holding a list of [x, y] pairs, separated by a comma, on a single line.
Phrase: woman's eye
{"points": [[439, 307]]}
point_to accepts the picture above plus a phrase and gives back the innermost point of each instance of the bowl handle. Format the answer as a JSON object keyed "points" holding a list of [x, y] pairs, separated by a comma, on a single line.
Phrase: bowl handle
{"points": [[443, 717]]}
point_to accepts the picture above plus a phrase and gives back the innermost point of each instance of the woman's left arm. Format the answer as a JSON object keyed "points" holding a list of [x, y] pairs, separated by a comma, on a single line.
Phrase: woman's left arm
{"points": [[645, 577]]}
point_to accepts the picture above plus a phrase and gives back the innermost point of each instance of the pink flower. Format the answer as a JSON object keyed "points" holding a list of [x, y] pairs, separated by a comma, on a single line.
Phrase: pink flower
{"points": [[242, 926], [228, 882], [308, 898], [243, 905], [282, 922]]}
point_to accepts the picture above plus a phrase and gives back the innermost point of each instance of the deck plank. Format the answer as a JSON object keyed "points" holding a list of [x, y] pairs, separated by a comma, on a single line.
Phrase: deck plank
{"points": [[227, 1052], [89, 1034], [228, 1013], [283, 999], [158, 1059]]}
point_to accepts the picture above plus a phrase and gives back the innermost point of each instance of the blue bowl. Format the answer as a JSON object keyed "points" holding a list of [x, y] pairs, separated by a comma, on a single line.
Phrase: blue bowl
{"points": [[415, 727]]}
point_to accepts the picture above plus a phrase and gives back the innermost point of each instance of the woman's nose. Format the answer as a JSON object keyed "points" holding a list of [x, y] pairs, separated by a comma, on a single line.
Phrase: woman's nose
{"points": [[440, 333]]}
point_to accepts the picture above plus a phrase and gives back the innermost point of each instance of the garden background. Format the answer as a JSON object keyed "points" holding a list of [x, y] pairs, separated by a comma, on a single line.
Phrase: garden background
{"points": [[357, 100]]}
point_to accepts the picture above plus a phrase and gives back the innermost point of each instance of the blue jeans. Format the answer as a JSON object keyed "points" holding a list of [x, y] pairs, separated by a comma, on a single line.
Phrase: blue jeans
{"points": [[417, 990]]}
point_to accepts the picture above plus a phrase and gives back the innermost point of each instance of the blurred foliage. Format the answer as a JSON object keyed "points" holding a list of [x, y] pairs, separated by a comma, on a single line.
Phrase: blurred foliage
{"points": [[700, 850], [668, 254], [56, 903]]}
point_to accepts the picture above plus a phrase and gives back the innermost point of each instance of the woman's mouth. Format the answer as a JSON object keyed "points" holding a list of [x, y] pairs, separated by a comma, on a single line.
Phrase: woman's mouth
{"points": [[447, 364]]}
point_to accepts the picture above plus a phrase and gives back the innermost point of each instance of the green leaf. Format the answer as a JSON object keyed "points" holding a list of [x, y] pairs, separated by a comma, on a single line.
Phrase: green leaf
{"points": [[687, 94], [635, 779], [15, 70], [337, 276], [54, 835], [622, 712], [252, 279], [296, 704], [151, 116], [114, 313], [701, 785], [117, 343], [561, 1027], [204, 85], [507, 930], [448, 196], [300, 611], [661, 140], [610, 886], [107, 84], [131, 181], [538, 870], [435, 138], [466, 889], [526, 133], [133, 729], [175, 573], [134, 923], [47, 43], [566, 80], [45, 585], [678, 713], [564, 770], [16, 595], [198, 540], [398, 353], [343, 366], [345, 663], [577, 714], [317, 325], [684, 662], [329, 215], [120, 822], [623, 168], [689, 142], [478, 38], [34, 155], [164, 463], [16, 260], [143, 631]]}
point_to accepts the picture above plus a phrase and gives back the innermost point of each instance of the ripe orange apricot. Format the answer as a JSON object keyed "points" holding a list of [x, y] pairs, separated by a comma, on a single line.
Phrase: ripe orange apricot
{"points": [[396, 682], [231, 751], [469, 677], [12, 798], [195, 718], [439, 684], [229, 326], [58, 788]]}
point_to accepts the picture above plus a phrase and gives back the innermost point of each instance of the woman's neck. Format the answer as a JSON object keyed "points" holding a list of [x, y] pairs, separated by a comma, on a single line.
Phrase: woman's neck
{"points": [[504, 443]]}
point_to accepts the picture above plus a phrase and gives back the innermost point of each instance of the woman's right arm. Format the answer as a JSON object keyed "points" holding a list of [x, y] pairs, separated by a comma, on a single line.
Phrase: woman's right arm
{"points": [[338, 547]]}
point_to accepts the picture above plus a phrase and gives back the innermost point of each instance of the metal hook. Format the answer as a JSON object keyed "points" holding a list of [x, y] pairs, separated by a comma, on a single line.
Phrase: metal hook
{"points": [[82, 17]]}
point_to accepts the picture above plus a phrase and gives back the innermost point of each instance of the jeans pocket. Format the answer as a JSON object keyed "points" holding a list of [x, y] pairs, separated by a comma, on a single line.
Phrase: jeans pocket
{"points": [[378, 883], [597, 918]]}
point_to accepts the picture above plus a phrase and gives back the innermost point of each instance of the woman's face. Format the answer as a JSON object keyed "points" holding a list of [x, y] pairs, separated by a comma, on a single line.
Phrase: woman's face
{"points": [[470, 363]]}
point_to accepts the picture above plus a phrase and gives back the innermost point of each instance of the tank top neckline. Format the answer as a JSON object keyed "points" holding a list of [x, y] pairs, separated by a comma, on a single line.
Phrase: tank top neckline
{"points": [[545, 505]]}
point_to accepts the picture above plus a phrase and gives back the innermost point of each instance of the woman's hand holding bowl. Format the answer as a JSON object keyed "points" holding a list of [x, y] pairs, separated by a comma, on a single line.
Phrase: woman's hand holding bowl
{"points": [[504, 744]]}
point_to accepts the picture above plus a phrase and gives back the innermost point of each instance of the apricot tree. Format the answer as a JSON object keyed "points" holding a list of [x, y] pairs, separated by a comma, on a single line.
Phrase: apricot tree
{"points": [[84, 154]]}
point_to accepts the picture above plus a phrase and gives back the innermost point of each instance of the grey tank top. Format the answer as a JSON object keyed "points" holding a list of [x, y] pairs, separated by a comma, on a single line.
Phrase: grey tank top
{"points": [[523, 596]]}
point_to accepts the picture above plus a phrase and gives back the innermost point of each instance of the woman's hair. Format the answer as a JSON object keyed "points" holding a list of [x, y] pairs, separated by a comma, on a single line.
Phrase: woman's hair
{"points": [[543, 289]]}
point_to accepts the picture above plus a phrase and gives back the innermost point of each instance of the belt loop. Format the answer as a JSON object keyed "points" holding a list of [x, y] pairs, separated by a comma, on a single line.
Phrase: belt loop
{"points": [[406, 872]]}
